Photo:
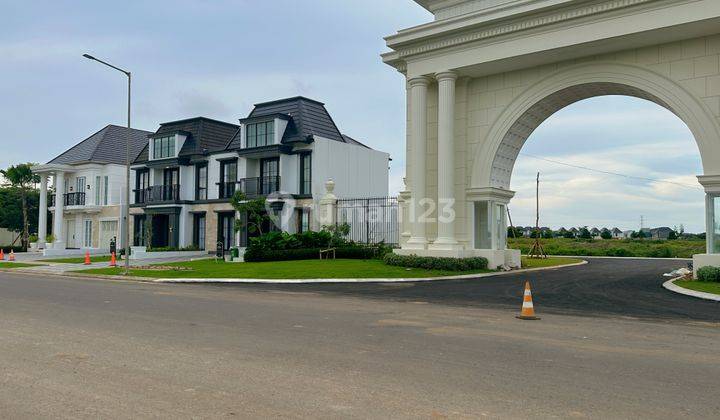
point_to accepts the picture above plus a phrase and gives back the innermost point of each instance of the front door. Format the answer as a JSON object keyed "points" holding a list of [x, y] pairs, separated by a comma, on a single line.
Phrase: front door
{"points": [[70, 234], [226, 230]]}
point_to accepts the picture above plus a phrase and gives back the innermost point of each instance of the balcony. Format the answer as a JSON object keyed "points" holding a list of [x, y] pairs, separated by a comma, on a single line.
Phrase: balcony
{"points": [[260, 186], [157, 194], [226, 189], [70, 199]]}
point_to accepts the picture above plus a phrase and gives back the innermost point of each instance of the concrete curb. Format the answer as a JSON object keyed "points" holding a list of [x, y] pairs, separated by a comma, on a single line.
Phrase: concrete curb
{"points": [[670, 285], [363, 280]]}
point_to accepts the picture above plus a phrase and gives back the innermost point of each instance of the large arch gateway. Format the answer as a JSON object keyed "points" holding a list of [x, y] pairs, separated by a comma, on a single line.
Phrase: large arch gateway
{"points": [[486, 73]]}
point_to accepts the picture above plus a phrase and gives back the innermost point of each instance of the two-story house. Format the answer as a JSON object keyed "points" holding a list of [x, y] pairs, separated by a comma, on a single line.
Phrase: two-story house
{"points": [[190, 169], [88, 193]]}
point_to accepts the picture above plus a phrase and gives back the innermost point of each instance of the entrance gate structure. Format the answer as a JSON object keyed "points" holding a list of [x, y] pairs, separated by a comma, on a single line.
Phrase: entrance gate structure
{"points": [[485, 74]]}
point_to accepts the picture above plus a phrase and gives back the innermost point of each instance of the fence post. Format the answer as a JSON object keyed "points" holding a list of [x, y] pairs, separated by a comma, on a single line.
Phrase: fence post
{"points": [[328, 205]]}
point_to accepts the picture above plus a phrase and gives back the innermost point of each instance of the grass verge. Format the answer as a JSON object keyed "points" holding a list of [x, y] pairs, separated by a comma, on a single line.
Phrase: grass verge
{"points": [[613, 247], [16, 265], [547, 262], [700, 286], [303, 269], [77, 260]]}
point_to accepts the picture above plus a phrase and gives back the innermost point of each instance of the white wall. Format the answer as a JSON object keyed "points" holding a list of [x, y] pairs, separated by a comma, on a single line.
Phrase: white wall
{"points": [[290, 173], [356, 170]]}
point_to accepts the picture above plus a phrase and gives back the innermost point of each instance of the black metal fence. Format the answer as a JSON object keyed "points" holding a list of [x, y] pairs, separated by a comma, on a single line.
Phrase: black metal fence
{"points": [[371, 220]]}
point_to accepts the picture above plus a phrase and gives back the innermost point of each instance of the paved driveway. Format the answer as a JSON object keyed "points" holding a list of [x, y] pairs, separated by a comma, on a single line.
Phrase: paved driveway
{"points": [[603, 287]]}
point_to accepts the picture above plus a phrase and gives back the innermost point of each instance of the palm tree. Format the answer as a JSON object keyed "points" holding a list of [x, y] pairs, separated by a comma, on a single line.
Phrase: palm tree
{"points": [[21, 176]]}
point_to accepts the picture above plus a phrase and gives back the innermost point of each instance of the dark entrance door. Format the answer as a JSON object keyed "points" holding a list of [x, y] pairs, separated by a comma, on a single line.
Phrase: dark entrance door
{"points": [[160, 230], [226, 230]]}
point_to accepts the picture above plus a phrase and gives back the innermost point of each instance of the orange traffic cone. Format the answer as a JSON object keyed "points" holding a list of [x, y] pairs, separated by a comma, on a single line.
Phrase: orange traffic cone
{"points": [[528, 311], [11, 257], [2, 255], [113, 262], [87, 257]]}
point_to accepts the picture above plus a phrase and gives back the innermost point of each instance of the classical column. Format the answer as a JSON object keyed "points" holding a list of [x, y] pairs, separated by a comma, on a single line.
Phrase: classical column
{"points": [[58, 217], [446, 162], [418, 137], [42, 219]]}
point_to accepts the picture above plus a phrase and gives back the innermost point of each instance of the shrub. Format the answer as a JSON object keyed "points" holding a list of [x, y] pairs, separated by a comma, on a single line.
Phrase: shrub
{"points": [[618, 252], [436, 263], [6, 249], [33, 238], [356, 252], [173, 248], [709, 273]]}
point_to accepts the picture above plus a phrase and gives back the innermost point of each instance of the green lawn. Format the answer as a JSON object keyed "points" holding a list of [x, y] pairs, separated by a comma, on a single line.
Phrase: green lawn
{"points": [[16, 265], [700, 286], [613, 247], [305, 269], [78, 260], [547, 262]]}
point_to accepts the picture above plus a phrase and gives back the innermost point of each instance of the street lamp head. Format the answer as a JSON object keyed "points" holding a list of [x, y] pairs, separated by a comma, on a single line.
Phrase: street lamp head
{"points": [[88, 56]]}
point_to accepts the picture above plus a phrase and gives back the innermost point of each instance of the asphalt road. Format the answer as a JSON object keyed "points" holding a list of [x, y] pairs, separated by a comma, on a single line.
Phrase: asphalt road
{"points": [[603, 287], [73, 348]]}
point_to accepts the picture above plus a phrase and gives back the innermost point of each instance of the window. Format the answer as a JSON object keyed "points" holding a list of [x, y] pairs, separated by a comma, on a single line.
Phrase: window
{"points": [[87, 239], [105, 191], [228, 178], [303, 218], [98, 190], [139, 231], [201, 181], [142, 183], [305, 173], [260, 134], [269, 171], [164, 147], [199, 231], [80, 184]]}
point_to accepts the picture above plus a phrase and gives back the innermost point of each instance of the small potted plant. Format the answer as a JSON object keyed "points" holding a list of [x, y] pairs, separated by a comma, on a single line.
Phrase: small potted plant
{"points": [[49, 241], [33, 239]]}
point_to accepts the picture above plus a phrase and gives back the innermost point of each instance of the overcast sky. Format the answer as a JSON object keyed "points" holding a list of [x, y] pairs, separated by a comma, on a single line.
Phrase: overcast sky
{"points": [[217, 58]]}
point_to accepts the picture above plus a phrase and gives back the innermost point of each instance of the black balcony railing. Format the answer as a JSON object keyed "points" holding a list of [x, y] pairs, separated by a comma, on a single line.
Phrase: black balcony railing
{"points": [[69, 199], [226, 189], [157, 194], [260, 186]]}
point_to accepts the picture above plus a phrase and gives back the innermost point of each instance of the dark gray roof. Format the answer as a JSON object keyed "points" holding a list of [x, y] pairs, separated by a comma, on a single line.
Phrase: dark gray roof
{"points": [[203, 135], [351, 140], [306, 118], [105, 146]]}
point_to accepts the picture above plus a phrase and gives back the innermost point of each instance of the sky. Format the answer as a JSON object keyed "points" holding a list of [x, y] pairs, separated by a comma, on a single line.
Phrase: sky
{"points": [[217, 58]]}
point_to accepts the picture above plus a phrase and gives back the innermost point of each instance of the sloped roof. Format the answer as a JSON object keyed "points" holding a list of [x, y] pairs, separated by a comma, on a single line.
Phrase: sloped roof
{"points": [[203, 135], [105, 146], [351, 140]]}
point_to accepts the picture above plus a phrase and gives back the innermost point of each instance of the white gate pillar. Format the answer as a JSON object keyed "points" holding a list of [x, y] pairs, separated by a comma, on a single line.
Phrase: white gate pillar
{"points": [[58, 221], [418, 137], [446, 162], [42, 216]]}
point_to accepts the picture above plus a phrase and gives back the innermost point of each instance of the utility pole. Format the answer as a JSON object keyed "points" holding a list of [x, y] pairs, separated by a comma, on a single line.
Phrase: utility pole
{"points": [[537, 250]]}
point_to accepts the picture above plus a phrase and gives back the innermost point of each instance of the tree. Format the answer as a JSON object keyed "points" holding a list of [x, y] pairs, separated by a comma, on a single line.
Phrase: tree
{"points": [[514, 232], [672, 235], [256, 215], [606, 234], [584, 233], [547, 234], [11, 215], [638, 234], [21, 177]]}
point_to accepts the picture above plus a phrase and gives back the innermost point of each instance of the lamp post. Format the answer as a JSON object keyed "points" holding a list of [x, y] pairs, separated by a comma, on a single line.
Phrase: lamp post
{"points": [[126, 210]]}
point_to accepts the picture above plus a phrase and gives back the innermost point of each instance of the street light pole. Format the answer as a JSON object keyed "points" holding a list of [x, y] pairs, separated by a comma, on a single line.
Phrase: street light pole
{"points": [[126, 209]]}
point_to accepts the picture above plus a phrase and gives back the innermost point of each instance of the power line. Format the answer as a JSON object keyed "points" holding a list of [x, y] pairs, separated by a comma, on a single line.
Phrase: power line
{"points": [[695, 187]]}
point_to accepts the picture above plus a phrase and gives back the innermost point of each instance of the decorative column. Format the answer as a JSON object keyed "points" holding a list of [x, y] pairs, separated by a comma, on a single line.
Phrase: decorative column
{"points": [[418, 137], [58, 217], [42, 217], [446, 162], [328, 205]]}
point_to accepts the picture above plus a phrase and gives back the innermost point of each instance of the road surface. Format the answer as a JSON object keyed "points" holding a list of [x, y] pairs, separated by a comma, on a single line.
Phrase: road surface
{"points": [[91, 348]]}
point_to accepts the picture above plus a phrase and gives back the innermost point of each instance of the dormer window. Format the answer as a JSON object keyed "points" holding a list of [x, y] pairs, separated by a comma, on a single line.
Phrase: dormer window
{"points": [[260, 134], [164, 147]]}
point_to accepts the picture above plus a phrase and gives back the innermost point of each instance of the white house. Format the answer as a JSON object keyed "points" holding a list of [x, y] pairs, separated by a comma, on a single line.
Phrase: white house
{"points": [[88, 192], [284, 150]]}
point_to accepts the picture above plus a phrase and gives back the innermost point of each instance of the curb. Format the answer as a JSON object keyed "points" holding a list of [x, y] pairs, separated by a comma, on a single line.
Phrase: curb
{"points": [[670, 285], [361, 280]]}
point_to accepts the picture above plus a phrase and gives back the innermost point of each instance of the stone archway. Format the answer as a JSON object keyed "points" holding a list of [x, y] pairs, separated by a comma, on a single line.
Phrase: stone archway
{"points": [[493, 162]]}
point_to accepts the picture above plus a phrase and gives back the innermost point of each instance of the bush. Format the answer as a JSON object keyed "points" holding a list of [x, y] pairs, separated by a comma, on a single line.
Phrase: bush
{"points": [[17, 248], [709, 273], [173, 248], [436, 263], [618, 252], [356, 252]]}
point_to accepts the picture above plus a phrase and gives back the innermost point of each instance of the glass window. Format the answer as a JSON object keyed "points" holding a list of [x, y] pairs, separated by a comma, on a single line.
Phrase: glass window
{"points": [[105, 191], [715, 234], [87, 242], [201, 182], [98, 190], [260, 134], [164, 147], [305, 173]]}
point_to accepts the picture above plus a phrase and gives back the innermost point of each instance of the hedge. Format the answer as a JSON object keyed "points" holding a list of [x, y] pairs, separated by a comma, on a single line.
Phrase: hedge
{"points": [[6, 249], [258, 255], [709, 273], [436, 263]]}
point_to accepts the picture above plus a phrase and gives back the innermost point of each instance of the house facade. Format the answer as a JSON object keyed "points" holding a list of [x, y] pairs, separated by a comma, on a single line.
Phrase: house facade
{"points": [[88, 192], [284, 150]]}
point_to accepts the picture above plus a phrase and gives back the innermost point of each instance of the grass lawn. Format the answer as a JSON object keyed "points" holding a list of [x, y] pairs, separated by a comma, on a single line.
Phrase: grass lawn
{"points": [[613, 247], [78, 260], [547, 262], [305, 269], [700, 286], [16, 265]]}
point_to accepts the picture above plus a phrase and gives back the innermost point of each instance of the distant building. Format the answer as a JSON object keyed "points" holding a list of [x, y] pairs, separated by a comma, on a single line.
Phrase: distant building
{"points": [[616, 233], [660, 233]]}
